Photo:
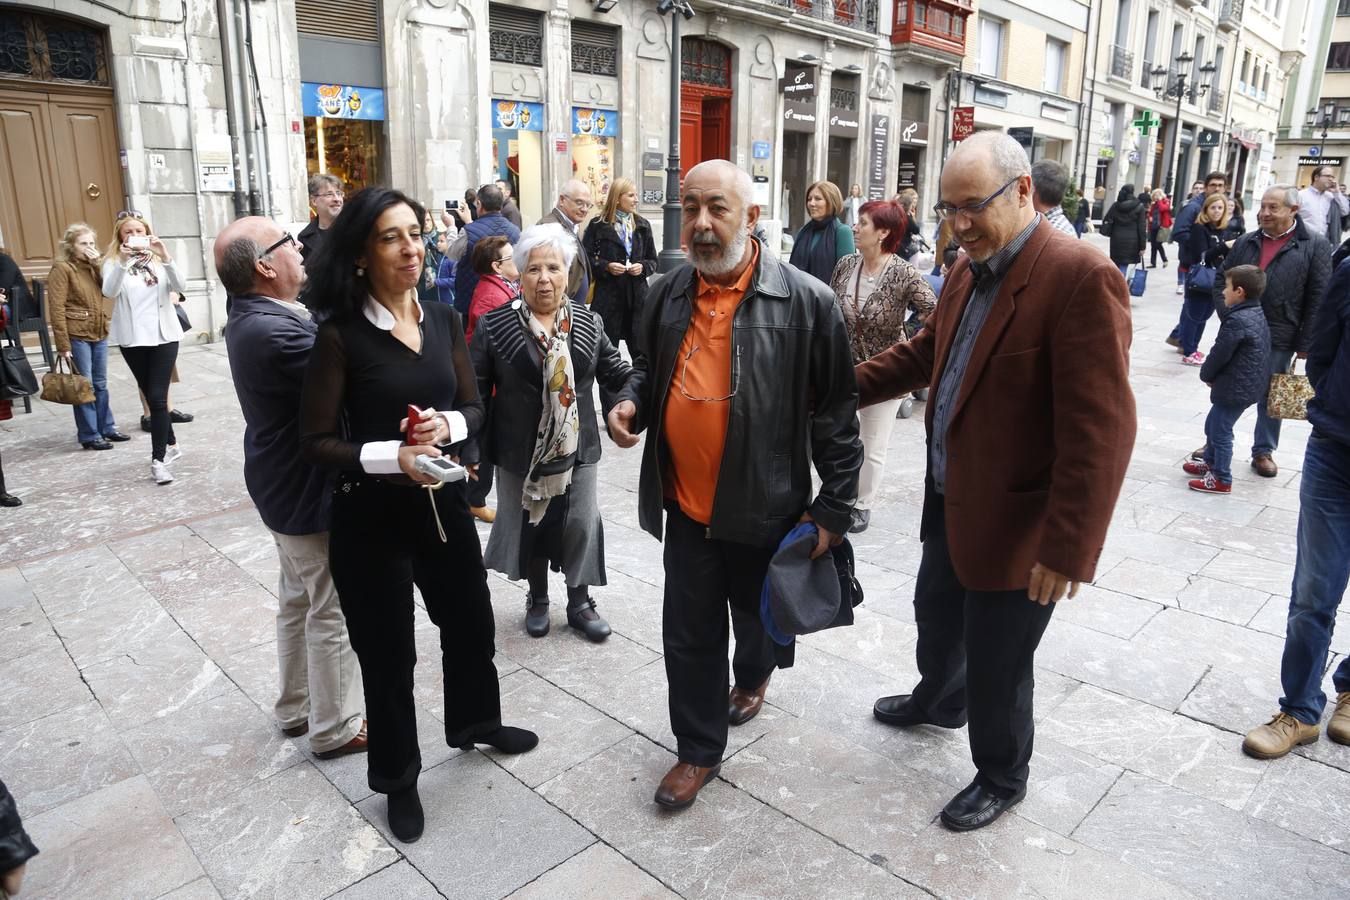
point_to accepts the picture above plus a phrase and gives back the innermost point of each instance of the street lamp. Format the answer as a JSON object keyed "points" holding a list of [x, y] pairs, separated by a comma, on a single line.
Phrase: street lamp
{"points": [[1322, 117], [1179, 89], [671, 254]]}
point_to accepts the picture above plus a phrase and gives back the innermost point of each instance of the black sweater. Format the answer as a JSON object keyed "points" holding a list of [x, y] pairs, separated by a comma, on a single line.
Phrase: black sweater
{"points": [[361, 380]]}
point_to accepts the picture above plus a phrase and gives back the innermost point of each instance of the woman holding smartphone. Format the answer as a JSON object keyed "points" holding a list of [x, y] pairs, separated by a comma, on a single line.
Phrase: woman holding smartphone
{"points": [[380, 352], [140, 277]]}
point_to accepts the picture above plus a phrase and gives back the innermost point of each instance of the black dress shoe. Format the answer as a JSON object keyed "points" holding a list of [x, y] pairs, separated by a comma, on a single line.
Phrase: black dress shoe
{"points": [[901, 710], [179, 417], [99, 444], [116, 437], [860, 520], [9, 500], [536, 616], [976, 807], [585, 619], [505, 739], [405, 815], [145, 423]]}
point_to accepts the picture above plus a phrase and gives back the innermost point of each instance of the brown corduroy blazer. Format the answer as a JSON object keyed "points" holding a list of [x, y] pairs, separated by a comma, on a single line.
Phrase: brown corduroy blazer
{"points": [[1044, 422]]}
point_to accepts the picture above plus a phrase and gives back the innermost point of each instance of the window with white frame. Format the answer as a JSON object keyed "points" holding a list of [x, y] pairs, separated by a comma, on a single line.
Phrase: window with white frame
{"points": [[991, 47], [1056, 64]]}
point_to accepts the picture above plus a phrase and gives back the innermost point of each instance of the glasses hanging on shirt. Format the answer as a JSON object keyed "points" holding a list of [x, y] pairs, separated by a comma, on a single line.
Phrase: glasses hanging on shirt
{"points": [[735, 378]]}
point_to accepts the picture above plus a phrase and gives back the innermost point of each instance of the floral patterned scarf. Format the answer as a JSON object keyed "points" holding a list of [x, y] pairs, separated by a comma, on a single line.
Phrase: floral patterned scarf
{"points": [[555, 446]]}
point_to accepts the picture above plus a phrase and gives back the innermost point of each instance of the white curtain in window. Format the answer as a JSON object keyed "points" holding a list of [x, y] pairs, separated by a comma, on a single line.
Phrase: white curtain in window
{"points": [[991, 47], [1056, 59]]}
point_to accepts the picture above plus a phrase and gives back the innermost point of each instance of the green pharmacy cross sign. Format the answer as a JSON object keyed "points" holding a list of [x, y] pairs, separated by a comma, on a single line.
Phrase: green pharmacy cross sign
{"points": [[1146, 122]]}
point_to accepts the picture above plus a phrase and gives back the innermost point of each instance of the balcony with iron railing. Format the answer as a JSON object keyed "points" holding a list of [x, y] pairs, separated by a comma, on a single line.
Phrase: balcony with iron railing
{"points": [[1230, 15], [861, 14], [938, 25], [1122, 63]]}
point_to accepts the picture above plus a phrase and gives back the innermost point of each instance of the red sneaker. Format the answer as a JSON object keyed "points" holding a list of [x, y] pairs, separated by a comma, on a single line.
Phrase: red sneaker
{"points": [[1211, 485], [1195, 468]]}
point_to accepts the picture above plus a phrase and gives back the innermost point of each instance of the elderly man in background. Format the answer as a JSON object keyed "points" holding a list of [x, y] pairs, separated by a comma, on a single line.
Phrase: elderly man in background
{"points": [[1323, 205], [1297, 263], [509, 209], [1049, 181], [574, 207], [788, 365], [269, 336], [1030, 426], [325, 195]]}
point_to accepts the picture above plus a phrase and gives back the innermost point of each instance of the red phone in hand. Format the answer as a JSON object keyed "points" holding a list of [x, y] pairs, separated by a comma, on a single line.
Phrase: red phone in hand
{"points": [[414, 419]]}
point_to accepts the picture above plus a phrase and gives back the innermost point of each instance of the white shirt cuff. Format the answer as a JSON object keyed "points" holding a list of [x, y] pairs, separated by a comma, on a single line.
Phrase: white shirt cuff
{"points": [[457, 425], [380, 458]]}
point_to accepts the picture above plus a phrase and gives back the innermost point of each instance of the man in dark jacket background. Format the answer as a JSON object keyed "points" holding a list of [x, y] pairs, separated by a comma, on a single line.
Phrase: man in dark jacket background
{"points": [[269, 336], [326, 196], [1297, 264], [490, 221], [1322, 566], [787, 363]]}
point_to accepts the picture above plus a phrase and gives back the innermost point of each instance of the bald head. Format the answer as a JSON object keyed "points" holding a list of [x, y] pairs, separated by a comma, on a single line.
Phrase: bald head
{"points": [[987, 181], [1004, 156], [244, 269], [726, 175]]}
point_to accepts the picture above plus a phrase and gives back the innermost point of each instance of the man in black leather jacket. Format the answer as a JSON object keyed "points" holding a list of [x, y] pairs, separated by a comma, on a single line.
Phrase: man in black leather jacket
{"points": [[746, 380]]}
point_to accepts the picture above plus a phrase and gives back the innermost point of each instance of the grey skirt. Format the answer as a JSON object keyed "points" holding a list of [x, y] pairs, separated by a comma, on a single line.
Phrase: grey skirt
{"points": [[583, 538]]}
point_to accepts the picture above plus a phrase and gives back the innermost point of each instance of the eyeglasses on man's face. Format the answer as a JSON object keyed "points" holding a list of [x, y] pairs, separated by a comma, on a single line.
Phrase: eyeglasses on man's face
{"points": [[946, 210], [286, 239], [329, 195]]}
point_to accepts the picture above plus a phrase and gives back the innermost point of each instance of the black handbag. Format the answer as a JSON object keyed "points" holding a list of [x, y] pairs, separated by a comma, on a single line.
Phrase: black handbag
{"points": [[16, 375], [183, 319]]}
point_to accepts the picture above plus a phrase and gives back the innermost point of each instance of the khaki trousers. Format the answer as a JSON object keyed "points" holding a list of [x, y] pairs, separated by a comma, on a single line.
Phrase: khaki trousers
{"points": [[320, 677], [875, 424]]}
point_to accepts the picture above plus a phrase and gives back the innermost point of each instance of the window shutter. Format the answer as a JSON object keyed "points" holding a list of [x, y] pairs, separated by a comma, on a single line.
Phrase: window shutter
{"points": [[357, 20]]}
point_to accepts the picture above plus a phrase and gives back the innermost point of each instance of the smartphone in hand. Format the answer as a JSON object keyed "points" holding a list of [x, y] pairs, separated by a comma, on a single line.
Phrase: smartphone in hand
{"points": [[414, 419]]}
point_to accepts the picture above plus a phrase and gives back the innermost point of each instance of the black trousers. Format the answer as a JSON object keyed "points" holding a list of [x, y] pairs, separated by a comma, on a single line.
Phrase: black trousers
{"points": [[152, 368], [975, 654], [479, 490], [1156, 248], [383, 540], [702, 577]]}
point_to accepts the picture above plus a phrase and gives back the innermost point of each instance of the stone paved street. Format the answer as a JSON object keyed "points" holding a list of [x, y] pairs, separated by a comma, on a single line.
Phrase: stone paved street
{"points": [[138, 670]]}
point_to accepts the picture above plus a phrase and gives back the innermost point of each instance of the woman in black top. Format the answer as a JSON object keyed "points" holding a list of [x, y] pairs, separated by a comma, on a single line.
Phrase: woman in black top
{"points": [[1208, 249], [379, 352], [622, 254]]}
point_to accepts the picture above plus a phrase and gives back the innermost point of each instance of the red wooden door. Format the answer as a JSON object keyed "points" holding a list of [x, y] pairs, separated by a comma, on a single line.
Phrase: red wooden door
{"points": [[716, 128], [691, 132]]}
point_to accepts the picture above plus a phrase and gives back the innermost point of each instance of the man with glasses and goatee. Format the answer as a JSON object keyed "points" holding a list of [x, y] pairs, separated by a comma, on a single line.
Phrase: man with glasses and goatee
{"points": [[747, 381], [1030, 425], [325, 195]]}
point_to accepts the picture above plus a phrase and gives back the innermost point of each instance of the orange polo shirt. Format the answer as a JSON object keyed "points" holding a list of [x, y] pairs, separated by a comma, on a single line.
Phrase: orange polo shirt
{"points": [[696, 429]]}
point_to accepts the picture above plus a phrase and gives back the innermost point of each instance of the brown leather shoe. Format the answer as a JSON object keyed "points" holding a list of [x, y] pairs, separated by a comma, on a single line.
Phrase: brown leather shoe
{"points": [[743, 705], [681, 785], [1338, 729], [357, 744], [1265, 466]]}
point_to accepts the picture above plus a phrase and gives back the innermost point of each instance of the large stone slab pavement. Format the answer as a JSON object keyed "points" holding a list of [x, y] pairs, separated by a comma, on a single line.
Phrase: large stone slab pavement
{"points": [[137, 668]]}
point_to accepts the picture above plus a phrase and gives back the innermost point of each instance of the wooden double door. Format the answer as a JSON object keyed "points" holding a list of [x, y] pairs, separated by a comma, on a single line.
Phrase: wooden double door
{"points": [[59, 163], [705, 125]]}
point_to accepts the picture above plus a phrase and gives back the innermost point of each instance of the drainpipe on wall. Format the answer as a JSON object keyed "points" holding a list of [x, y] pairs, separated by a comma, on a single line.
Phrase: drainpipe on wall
{"points": [[224, 21], [1085, 129], [254, 87], [248, 121]]}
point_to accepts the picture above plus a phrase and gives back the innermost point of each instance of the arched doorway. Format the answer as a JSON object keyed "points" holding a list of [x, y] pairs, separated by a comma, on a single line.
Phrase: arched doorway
{"points": [[59, 158], [705, 102]]}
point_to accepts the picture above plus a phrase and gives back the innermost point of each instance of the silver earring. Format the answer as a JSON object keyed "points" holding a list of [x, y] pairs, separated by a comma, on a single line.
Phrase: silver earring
{"points": [[360, 272]]}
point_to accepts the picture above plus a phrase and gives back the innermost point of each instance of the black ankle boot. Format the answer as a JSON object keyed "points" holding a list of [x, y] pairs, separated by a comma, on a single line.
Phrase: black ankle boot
{"points": [[405, 815]]}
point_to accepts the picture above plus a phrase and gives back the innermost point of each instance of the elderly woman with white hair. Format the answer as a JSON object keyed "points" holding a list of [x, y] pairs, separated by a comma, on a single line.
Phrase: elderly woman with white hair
{"points": [[537, 360]]}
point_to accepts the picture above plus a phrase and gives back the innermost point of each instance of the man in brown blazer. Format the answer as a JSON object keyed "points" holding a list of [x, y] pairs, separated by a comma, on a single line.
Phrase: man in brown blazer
{"points": [[1030, 425], [574, 206]]}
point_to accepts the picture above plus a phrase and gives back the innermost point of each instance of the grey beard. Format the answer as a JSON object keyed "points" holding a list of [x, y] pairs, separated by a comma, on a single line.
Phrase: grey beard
{"points": [[731, 256]]}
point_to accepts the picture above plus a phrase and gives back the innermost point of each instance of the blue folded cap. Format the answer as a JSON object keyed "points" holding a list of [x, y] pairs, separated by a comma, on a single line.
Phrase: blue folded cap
{"points": [[800, 594]]}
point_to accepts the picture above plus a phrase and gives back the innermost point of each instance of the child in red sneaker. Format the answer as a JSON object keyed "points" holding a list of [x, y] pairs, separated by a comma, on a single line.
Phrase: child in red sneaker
{"points": [[1236, 372]]}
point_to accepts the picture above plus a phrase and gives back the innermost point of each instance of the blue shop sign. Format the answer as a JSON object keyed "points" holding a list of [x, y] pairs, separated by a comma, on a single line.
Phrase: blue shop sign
{"points": [[595, 122], [342, 101], [760, 149], [517, 115]]}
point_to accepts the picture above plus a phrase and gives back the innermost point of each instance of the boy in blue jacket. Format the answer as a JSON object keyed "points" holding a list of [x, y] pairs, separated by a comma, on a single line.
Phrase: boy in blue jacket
{"points": [[1236, 371]]}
